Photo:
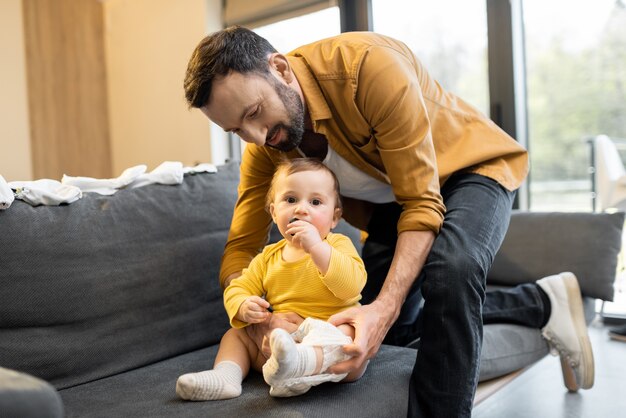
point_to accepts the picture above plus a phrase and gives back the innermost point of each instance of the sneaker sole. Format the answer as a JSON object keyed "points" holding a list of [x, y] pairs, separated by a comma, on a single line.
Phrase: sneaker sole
{"points": [[578, 316], [617, 337]]}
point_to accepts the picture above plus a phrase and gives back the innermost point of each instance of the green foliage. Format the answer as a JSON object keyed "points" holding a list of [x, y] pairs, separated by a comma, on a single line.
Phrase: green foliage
{"points": [[574, 95]]}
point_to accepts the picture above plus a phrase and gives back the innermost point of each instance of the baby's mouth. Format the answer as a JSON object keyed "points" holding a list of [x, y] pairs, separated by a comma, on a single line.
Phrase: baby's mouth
{"points": [[293, 220]]}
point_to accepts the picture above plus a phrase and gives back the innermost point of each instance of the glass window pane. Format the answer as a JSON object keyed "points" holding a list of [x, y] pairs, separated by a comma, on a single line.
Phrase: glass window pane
{"points": [[448, 36], [576, 80], [291, 33]]}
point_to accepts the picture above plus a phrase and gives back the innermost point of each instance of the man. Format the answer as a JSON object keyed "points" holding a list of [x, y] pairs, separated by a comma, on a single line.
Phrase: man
{"points": [[427, 176]]}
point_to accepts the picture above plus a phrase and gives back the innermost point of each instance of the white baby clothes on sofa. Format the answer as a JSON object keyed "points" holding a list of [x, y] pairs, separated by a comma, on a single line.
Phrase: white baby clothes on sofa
{"points": [[45, 192], [105, 186], [6, 194], [169, 172]]}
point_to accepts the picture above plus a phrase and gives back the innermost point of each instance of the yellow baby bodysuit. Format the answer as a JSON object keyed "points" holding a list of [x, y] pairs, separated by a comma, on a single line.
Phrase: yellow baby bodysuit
{"points": [[299, 286]]}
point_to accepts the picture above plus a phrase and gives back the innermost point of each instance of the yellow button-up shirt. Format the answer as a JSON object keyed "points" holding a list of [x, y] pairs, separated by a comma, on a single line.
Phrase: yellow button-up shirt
{"points": [[381, 111]]}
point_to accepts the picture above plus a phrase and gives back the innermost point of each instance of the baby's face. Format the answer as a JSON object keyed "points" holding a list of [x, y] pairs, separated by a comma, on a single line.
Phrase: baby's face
{"points": [[308, 196]]}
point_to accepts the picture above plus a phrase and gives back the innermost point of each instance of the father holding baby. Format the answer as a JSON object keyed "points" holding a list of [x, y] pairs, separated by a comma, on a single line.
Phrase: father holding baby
{"points": [[429, 178]]}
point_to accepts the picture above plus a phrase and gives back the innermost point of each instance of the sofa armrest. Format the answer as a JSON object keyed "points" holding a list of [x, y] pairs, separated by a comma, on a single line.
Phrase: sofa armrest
{"points": [[25, 396], [541, 244]]}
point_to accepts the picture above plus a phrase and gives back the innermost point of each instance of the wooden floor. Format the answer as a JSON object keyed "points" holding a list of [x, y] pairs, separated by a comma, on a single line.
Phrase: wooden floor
{"points": [[538, 391]]}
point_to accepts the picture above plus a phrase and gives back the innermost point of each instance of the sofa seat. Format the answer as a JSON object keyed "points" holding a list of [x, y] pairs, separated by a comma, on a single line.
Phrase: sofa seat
{"points": [[150, 392]]}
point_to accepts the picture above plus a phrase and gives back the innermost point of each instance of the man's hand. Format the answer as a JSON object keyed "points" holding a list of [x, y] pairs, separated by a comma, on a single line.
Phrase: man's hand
{"points": [[371, 323], [260, 332]]}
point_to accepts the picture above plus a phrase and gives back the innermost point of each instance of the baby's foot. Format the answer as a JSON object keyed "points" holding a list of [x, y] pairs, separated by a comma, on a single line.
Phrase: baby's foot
{"points": [[288, 360], [223, 382]]}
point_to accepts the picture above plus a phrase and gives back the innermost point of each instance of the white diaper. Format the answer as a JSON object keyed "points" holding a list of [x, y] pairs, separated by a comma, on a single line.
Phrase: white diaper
{"points": [[315, 332]]}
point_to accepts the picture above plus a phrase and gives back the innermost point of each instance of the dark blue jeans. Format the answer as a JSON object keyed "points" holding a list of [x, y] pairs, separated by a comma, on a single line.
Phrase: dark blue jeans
{"points": [[452, 287]]}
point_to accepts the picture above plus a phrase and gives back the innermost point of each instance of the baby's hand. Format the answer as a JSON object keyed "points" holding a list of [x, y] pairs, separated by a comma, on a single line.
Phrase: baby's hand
{"points": [[253, 310], [304, 234]]}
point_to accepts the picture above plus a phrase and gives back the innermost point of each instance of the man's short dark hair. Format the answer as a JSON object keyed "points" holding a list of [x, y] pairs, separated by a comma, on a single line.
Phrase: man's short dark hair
{"points": [[232, 49]]}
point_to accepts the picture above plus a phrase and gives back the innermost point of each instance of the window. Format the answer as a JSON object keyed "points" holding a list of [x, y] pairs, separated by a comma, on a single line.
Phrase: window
{"points": [[448, 36], [576, 80], [292, 33]]}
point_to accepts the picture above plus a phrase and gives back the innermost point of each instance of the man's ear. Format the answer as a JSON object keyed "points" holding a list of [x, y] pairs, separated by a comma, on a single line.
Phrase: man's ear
{"points": [[279, 65]]}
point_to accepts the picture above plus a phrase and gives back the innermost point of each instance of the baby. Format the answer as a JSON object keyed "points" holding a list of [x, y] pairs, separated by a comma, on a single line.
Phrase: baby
{"points": [[311, 271]]}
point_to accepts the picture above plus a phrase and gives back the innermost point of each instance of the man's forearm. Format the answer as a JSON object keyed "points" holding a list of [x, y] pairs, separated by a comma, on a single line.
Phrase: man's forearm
{"points": [[412, 248], [230, 278]]}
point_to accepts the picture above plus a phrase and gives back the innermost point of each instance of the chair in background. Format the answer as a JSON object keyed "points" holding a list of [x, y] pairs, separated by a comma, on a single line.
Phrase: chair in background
{"points": [[609, 175], [609, 191]]}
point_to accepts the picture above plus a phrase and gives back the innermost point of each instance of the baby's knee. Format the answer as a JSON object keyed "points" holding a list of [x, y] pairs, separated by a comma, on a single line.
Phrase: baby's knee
{"points": [[347, 330]]}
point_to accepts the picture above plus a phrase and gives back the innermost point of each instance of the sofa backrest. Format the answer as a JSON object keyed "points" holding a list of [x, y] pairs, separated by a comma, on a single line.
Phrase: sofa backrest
{"points": [[110, 283], [540, 244]]}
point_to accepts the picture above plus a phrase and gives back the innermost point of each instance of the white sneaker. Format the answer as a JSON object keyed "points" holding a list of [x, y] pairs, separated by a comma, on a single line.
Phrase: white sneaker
{"points": [[566, 330]]}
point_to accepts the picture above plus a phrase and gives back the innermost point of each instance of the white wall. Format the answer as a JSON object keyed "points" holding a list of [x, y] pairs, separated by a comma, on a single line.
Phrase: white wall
{"points": [[148, 44], [15, 158]]}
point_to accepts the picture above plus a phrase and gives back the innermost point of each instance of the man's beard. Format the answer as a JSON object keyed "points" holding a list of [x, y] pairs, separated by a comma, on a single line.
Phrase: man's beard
{"points": [[295, 112]]}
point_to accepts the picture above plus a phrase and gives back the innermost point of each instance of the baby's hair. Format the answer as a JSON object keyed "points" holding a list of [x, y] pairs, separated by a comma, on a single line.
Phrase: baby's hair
{"points": [[297, 165]]}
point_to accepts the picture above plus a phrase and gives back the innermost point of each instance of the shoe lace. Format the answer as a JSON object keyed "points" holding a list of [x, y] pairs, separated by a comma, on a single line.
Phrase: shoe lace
{"points": [[556, 348]]}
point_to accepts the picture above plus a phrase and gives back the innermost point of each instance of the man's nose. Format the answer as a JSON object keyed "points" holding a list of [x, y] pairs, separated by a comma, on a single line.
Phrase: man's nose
{"points": [[255, 135]]}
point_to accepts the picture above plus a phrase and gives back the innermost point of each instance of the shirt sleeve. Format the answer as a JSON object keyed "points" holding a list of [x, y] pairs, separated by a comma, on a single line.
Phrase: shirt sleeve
{"points": [[389, 96], [250, 224], [346, 273], [250, 283]]}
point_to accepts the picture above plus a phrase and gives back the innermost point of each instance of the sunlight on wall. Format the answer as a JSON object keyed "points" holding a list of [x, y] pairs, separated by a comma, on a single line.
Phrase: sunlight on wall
{"points": [[148, 45], [15, 159]]}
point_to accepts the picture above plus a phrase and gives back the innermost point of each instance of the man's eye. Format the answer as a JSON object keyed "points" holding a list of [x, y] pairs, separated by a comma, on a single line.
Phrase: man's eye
{"points": [[316, 202], [291, 199], [255, 113]]}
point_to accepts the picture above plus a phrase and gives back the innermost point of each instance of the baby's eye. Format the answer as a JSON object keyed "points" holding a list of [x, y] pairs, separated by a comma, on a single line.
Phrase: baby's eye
{"points": [[316, 202], [290, 199]]}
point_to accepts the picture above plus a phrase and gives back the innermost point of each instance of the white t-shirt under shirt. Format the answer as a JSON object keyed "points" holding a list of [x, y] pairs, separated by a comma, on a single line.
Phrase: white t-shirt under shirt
{"points": [[355, 183]]}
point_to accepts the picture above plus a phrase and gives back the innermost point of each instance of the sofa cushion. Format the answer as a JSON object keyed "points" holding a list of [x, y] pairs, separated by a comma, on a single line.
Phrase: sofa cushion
{"points": [[150, 392], [541, 244], [111, 283], [508, 347]]}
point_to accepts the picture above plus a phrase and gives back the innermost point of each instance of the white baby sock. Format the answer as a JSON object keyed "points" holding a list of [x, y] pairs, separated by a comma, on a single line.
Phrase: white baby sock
{"points": [[223, 382], [289, 370], [288, 360]]}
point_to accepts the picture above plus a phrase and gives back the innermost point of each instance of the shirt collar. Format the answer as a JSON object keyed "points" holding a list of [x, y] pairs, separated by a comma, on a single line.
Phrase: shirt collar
{"points": [[315, 101]]}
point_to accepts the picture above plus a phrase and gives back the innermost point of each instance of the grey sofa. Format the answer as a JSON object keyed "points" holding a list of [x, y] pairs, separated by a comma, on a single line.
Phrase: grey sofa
{"points": [[105, 302]]}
